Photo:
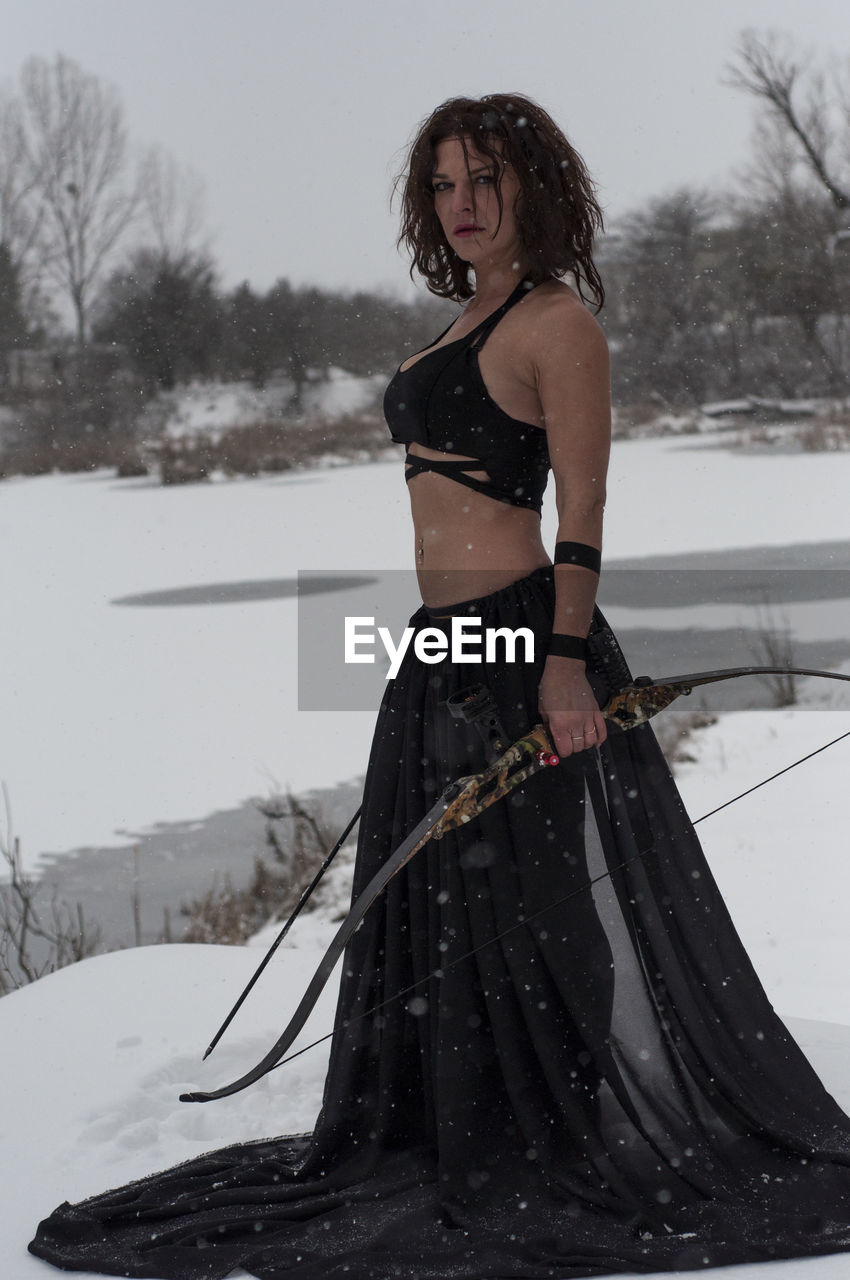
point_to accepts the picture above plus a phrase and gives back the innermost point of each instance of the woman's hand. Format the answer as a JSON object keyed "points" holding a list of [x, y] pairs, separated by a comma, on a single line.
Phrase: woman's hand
{"points": [[568, 707]]}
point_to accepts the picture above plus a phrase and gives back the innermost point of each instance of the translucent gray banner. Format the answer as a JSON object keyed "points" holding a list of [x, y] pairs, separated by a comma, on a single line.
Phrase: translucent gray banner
{"points": [[669, 622]]}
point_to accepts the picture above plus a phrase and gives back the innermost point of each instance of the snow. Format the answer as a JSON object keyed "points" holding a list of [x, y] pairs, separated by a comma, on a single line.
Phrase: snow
{"points": [[115, 1115], [122, 716], [752, 404], [114, 717], [695, 494], [780, 855], [808, 620], [724, 408], [91, 1101], [343, 393], [214, 407]]}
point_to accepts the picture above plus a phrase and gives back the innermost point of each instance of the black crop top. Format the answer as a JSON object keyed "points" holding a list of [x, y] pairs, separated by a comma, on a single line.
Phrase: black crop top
{"points": [[441, 402]]}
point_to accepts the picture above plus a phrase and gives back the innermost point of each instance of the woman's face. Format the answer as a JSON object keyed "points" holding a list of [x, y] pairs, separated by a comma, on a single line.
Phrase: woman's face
{"points": [[467, 206]]}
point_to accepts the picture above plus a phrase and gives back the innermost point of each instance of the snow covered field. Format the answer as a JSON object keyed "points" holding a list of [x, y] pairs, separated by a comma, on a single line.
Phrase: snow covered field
{"points": [[81, 1112], [114, 717]]}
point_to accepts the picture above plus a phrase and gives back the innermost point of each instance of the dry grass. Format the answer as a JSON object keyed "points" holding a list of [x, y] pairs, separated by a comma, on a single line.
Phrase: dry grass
{"points": [[826, 432], [830, 434], [88, 453], [674, 734], [36, 939], [257, 449], [773, 646], [298, 840], [254, 449], [647, 419], [269, 447]]}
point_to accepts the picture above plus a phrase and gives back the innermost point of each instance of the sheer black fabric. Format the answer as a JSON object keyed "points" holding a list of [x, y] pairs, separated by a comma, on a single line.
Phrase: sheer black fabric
{"points": [[604, 1089]]}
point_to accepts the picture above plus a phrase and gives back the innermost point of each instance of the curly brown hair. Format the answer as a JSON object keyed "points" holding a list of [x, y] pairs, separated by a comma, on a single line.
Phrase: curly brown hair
{"points": [[558, 211]]}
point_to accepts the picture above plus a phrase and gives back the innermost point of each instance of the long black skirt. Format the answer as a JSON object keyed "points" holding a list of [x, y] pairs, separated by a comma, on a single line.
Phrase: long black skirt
{"points": [[604, 1088]]}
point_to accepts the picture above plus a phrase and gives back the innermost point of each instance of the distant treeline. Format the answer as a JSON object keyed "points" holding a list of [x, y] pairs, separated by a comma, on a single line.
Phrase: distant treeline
{"points": [[701, 303], [709, 295], [711, 298], [174, 324]]}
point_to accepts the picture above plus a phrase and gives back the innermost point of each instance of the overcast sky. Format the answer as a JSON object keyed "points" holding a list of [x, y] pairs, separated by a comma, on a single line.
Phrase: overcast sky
{"points": [[295, 113]]}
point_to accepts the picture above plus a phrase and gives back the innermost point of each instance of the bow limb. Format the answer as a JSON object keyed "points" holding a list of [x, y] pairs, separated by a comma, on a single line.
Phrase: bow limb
{"points": [[280, 937], [338, 944], [461, 801], [644, 698]]}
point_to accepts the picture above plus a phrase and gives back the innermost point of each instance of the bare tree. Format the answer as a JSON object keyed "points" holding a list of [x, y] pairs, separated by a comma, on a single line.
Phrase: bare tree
{"points": [[76, 147], [172, 200], [797, 209], [809, 108], [664, 295], [20, 213], [30, 944]]}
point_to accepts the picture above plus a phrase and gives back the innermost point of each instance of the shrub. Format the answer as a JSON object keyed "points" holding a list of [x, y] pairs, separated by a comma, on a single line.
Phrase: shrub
{"points": [[298, 840], [267, 448], [35, 940]]}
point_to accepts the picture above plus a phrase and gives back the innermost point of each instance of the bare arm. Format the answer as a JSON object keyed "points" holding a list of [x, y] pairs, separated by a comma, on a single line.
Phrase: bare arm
{"points": [[573, 382]]}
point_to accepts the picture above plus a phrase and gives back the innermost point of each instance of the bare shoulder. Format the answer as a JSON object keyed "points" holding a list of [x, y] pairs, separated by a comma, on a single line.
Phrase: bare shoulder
{"points": [[556, 338], [555, 322]]}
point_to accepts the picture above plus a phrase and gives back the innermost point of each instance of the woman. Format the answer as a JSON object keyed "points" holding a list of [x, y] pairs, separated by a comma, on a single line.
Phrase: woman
{"points": [[543, 373], [589, 1078]]}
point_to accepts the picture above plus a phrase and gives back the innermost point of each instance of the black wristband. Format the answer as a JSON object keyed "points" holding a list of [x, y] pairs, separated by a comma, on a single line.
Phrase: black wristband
{"points": [[578, 553], [563, 646]]}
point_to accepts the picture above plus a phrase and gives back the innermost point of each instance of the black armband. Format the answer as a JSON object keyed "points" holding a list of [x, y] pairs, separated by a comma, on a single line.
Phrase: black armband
{"points": [[563, 646], [578, 553]]}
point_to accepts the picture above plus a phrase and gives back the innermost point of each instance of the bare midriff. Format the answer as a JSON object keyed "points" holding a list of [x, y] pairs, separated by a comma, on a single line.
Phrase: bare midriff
{"points": [[467, 544]]}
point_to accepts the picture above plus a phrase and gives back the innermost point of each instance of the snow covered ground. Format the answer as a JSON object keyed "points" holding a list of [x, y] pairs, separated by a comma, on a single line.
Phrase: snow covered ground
{"points": [[113, 717], [91, 1101], [212, 407]]}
